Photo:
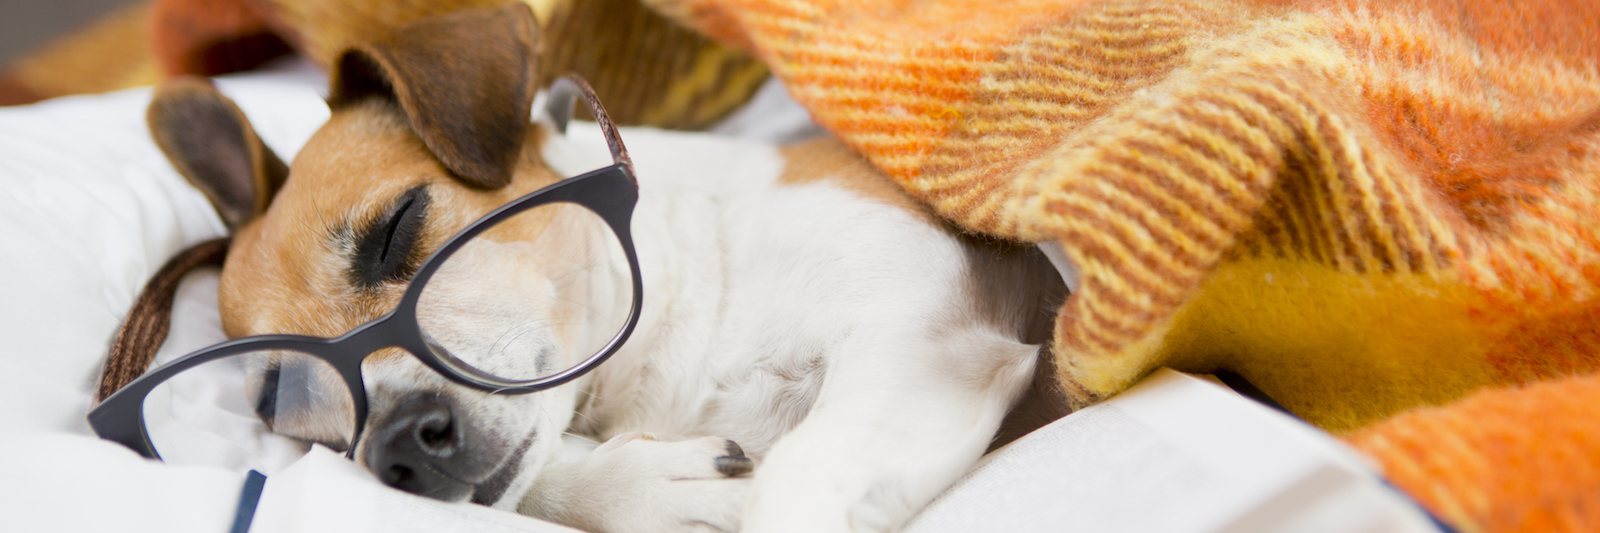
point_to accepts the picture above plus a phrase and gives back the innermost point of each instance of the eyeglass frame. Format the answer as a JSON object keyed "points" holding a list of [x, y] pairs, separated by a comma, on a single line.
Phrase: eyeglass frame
{"points": [[611, 192]]}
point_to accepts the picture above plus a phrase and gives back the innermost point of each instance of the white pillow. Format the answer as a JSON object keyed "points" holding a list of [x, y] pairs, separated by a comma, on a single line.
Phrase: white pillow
{"points": [[89, 209]]}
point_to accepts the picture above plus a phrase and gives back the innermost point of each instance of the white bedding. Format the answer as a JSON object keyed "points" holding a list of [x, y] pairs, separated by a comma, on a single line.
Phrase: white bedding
{"points": [[89, 209]]}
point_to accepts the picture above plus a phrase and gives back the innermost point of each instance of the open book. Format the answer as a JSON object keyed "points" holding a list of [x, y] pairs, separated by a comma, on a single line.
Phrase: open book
{"points": [[1175, 453]]}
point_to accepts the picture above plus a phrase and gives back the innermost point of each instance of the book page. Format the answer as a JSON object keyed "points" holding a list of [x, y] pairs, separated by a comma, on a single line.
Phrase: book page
{"points": [[1174, 453], [323, 491]]}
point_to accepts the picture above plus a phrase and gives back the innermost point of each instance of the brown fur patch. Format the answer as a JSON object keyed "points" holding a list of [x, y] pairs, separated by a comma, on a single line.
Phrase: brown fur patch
{"points": [[826, 160], [465, 81]]}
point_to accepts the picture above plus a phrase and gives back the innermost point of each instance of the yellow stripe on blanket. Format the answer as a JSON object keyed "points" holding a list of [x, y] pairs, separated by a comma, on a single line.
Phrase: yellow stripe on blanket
{"points": [[1341, 349]]}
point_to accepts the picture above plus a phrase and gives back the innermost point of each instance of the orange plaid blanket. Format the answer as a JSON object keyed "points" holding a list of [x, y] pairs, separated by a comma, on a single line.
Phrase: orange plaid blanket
{"points": [[1362, 207]]}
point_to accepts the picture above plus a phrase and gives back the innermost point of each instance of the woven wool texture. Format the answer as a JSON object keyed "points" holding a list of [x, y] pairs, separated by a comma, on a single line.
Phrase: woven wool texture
{"points": [[1500, 460], [1360, 207]]}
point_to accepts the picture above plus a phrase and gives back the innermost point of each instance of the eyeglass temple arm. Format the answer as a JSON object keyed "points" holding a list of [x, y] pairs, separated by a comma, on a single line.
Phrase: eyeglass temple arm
{"points": [[559, 106]]}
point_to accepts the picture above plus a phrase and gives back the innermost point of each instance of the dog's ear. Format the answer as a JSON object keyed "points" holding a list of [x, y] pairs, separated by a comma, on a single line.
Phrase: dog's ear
{"points": [[464, 80], [209, 140]]}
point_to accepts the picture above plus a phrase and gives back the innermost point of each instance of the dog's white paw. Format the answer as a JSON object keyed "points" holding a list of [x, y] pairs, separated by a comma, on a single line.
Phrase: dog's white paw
{"points": [[635, 482]]}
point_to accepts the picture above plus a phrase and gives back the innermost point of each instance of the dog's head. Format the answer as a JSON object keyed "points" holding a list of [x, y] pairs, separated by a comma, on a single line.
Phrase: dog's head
{"points": [[430, 129]]}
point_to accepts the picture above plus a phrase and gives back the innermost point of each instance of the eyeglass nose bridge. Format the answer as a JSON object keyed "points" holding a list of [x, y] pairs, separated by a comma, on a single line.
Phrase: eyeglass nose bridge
{"points": [[392, 330], [346, 354]]}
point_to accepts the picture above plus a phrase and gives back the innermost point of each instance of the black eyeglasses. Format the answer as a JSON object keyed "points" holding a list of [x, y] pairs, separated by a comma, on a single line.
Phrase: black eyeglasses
{"points": [[528, 297]]}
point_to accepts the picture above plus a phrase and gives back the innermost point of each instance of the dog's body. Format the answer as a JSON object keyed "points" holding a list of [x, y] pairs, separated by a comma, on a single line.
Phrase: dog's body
{"points": [[801, 306], [796, 303]]}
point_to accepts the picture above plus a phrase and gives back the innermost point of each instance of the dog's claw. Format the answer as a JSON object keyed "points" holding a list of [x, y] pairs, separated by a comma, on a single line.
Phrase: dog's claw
{"points": [[735, 466]]}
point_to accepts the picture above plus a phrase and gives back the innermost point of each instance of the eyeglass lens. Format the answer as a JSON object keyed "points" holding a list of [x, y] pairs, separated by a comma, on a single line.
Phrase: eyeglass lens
{"points": [[199, 417], [537, 294]]}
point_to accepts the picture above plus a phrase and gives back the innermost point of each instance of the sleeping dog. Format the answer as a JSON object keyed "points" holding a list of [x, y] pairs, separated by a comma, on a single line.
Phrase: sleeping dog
{"points": [[803, 318]]}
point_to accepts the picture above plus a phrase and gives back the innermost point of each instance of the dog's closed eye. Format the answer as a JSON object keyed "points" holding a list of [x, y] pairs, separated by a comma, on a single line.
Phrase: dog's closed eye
{"points": [[387, 251]]}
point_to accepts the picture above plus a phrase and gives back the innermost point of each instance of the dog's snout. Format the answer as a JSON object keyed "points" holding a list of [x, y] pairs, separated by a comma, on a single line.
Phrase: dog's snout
{"points": [[418, 447], [435, 431]]}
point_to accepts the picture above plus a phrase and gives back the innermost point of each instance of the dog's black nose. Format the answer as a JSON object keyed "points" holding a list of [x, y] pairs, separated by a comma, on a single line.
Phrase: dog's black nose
{"points": [[418, 447]]}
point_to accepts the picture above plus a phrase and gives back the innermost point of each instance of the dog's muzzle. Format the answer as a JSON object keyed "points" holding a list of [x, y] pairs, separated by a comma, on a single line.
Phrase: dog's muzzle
{"points": [[425, 447]]}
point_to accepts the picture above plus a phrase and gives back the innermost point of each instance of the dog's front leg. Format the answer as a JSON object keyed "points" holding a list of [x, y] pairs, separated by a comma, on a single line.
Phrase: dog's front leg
{"points": [[635, 482], [898, 419]]}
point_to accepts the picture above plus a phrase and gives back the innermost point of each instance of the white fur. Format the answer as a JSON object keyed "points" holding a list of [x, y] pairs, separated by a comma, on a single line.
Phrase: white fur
{"points": [[832, 336]]}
